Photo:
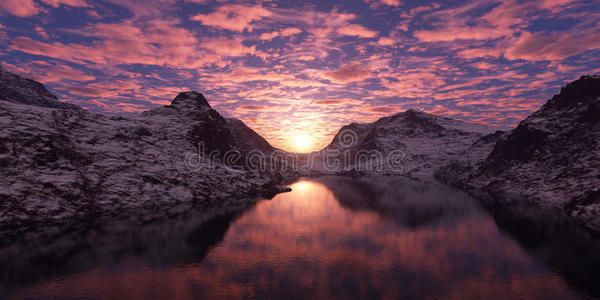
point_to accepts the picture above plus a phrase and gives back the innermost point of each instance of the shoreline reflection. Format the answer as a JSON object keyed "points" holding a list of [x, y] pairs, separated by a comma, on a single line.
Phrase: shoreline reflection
{"points": [[330, 237]]}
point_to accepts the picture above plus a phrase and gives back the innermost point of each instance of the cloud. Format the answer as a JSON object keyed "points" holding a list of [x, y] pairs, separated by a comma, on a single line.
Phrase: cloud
{"points": [[384, 109], [267, 108], [290, 31], [227, 47], [460, 33], [512, 13], [156, 42], [88, 91], [349, 73], [267, 36], [328, 102], [376, 3], [55, 73], [391, 2], [552, 46], [436, 57], [28, 8], [480, 52], [357, 30], [384, 41], [20, 8], [483, 65], [233, 17], [74, 3], [420, 9]]}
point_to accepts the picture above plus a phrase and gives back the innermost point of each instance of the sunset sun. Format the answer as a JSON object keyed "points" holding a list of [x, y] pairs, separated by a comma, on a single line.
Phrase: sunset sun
{"points": [[299, 149], [303, 142]]}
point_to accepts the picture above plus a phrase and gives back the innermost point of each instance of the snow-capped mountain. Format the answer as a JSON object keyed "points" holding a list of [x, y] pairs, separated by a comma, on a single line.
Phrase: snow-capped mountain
{"points": [[61, 164], [552, 158], [410, 143], [59, 161]]}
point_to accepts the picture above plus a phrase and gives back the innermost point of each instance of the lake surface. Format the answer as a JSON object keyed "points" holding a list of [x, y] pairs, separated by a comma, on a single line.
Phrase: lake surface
{"points": [[329, 238]]}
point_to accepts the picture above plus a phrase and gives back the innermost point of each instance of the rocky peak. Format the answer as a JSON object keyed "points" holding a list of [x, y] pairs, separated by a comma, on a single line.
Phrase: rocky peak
{"points": [[190, 98], [584, 90], [17, 89]]}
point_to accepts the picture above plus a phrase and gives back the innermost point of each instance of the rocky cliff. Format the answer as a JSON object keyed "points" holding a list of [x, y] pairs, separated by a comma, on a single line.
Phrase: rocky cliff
{"points": [[16, 89], [411, 143], [61, 164], [552, 158]]}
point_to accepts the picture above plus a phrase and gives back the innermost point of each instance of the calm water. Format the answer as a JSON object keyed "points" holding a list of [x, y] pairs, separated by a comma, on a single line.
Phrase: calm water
{"points": [[329, 238]]}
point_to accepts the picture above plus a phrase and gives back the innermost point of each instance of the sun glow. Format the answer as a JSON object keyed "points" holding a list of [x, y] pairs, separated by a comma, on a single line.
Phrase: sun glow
{"points": [[303, 142]]}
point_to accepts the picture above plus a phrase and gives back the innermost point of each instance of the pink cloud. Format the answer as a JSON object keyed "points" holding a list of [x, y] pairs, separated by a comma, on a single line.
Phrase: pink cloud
{"points": [[539, 46], [55, 73], [384, 109], [28, 8], [394, 3], [384, 41], [41, 32], [74, 3], [87, 91], [119, 85], [155, 42], [226, 46], [483, 65], [357, 30], [507, 14], [267, 36], [511, 13], [233, 17], [20, 8], [349, 73], [290, 31], [423, 8], [403, 25], [267, 108], [480, 52], [328, 102], [460, 33], [245, 74]]}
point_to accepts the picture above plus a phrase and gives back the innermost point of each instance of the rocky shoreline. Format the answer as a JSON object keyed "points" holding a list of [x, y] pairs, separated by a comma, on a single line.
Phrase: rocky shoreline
{"points": [[66, 163], [552, 158], [61, 162]]}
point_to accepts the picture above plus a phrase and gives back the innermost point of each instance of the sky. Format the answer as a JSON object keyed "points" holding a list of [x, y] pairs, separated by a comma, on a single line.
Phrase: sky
{"points": [[292, 69]]}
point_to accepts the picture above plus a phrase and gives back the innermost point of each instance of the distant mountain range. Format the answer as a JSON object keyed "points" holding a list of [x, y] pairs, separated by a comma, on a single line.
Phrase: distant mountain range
{"points": [[63, 162], [423, 142], [552, 159]]}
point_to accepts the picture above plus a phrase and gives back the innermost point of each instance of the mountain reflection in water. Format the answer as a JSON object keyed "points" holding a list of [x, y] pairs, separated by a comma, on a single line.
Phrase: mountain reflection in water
{"points": [[329, 238]]}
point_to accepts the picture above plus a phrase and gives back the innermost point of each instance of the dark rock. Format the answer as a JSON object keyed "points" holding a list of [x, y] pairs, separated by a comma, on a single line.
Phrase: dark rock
{"points": [[64, 165], [191, 97], [16, 89], [551, 158]]}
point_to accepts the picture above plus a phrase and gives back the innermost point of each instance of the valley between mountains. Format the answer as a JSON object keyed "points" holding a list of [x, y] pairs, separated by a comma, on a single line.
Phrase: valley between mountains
{"points": [[61, 163]]}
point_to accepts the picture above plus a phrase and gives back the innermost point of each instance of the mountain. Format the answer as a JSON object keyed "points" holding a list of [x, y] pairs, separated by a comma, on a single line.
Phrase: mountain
{"points": [[63, 164], [552, 158], [16, 89], [410, 143]]}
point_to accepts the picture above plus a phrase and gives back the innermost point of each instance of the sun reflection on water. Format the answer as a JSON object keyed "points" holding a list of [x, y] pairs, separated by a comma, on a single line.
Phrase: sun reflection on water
{"points": [[337, 240]]}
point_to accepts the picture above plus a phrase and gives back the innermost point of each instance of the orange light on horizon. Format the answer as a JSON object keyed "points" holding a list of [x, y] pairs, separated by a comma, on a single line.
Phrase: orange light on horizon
{"points": [[303, 142]]}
